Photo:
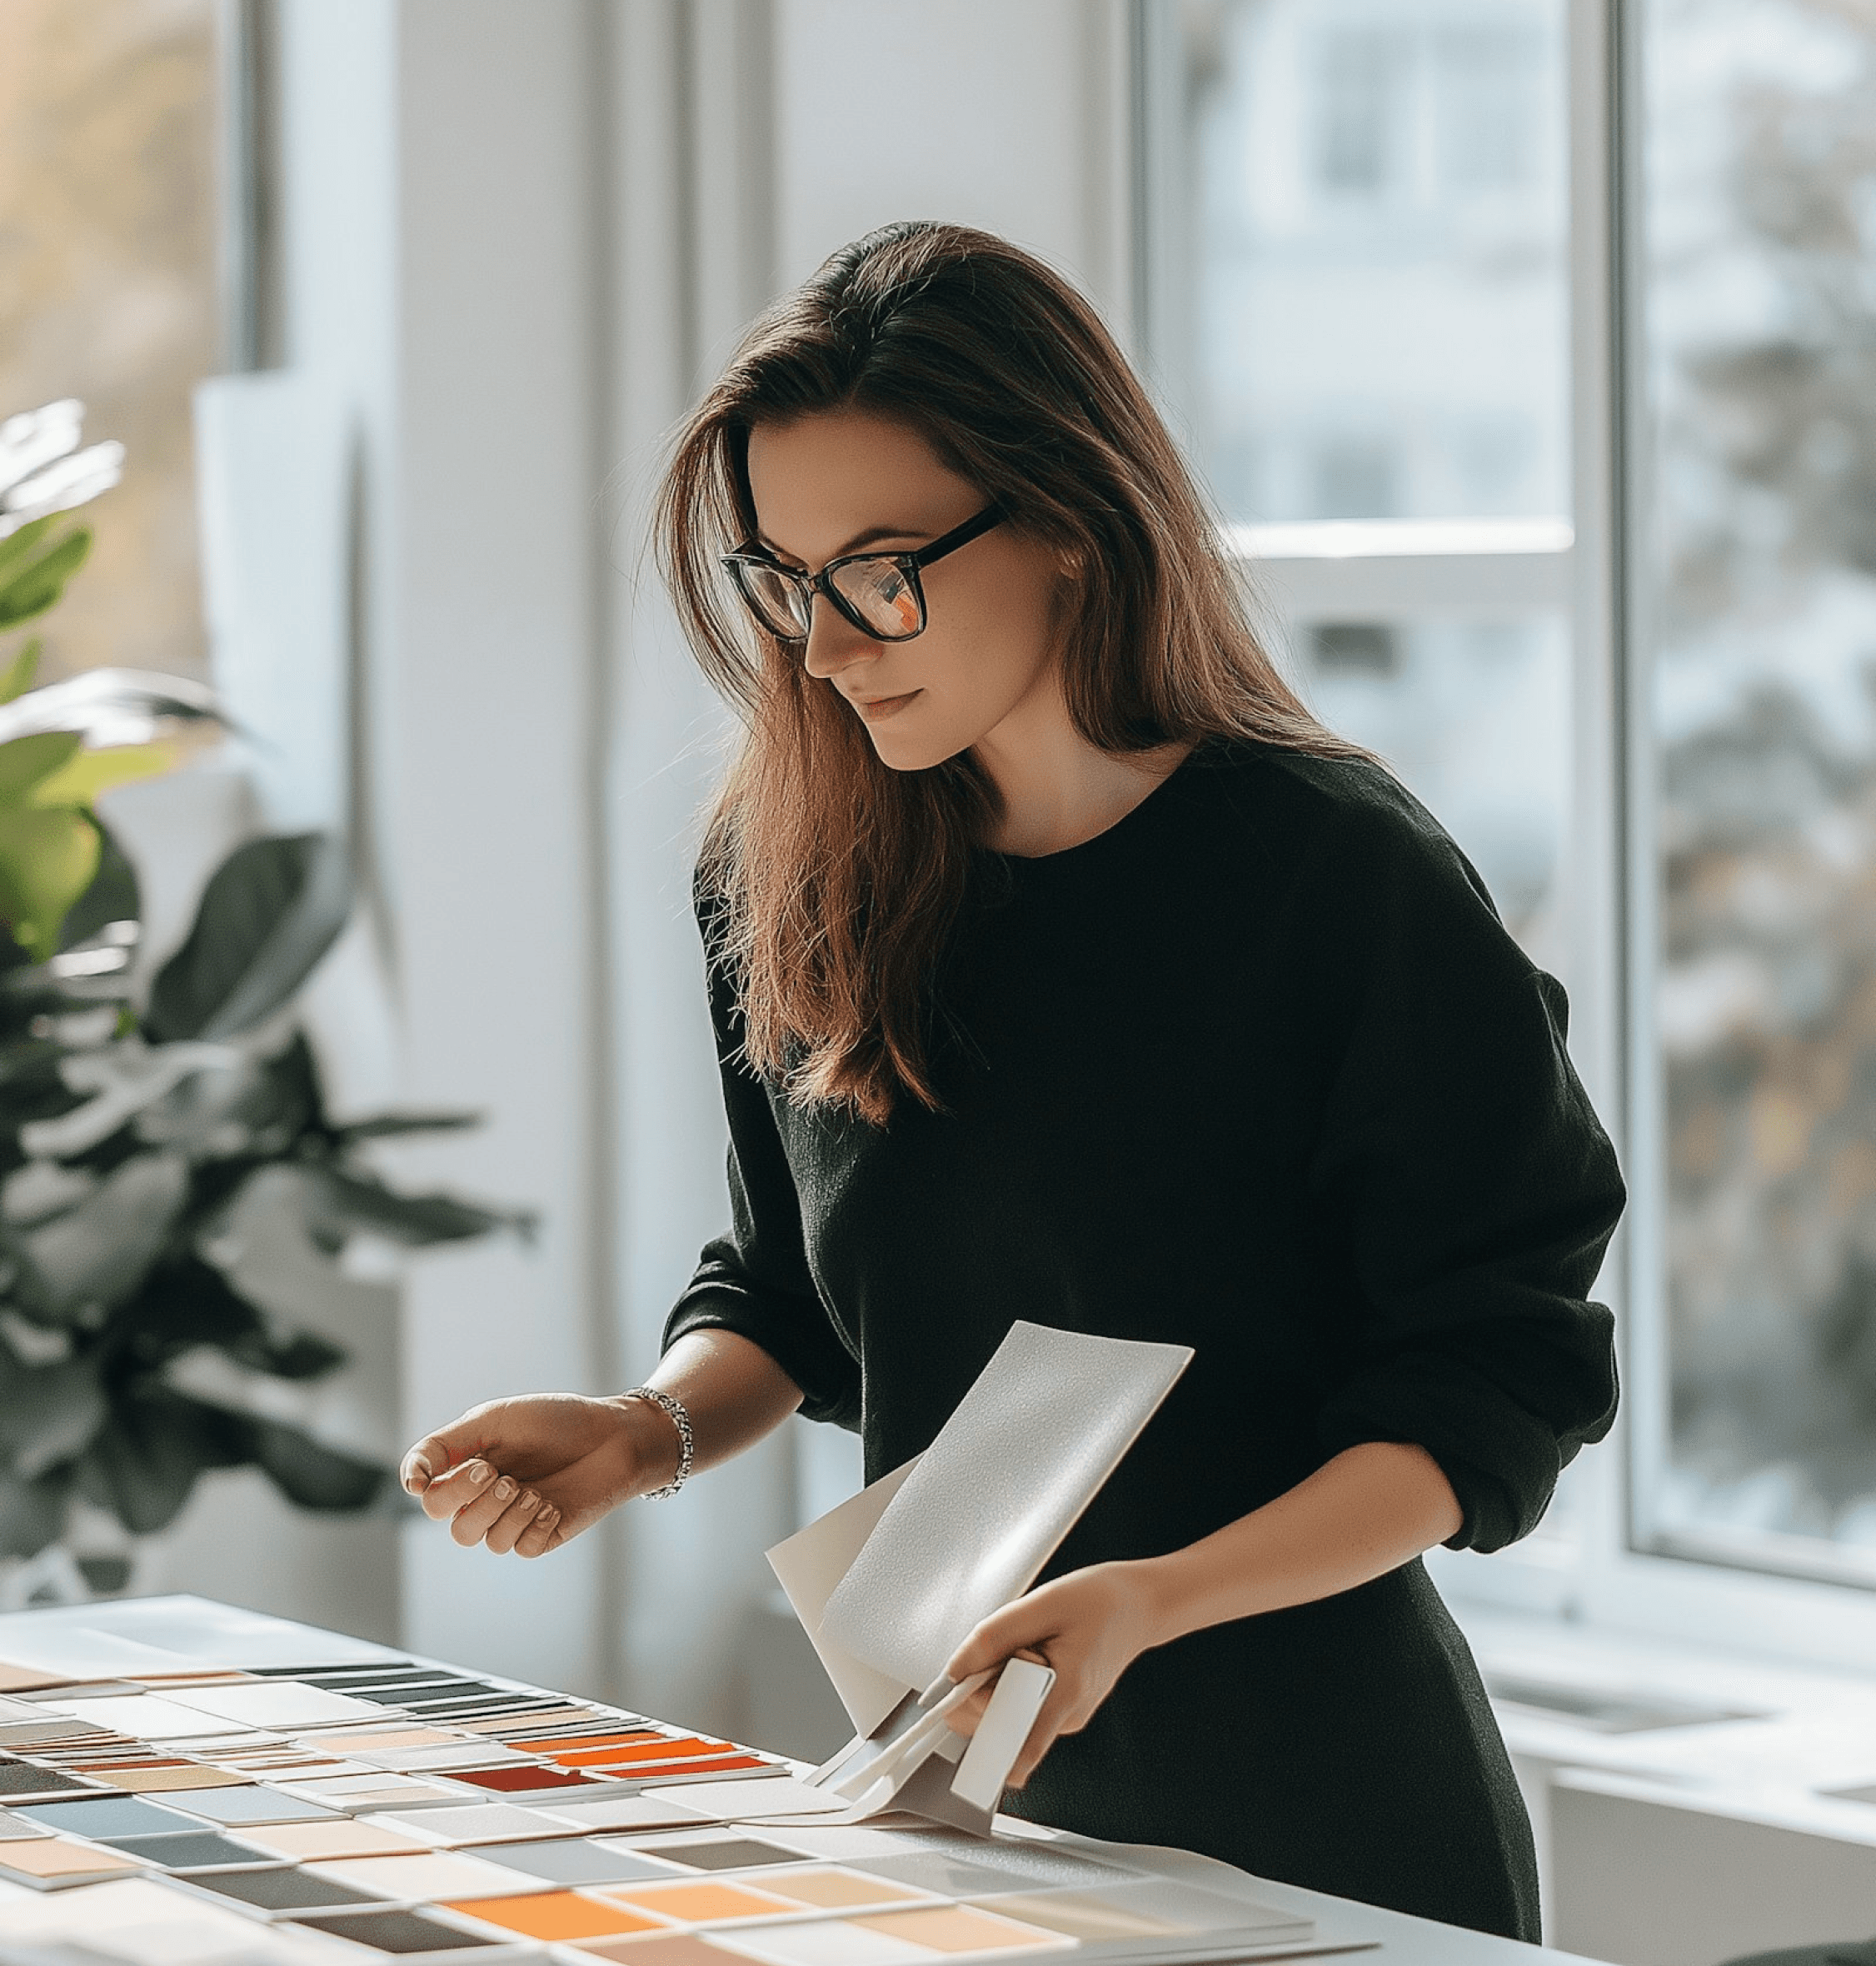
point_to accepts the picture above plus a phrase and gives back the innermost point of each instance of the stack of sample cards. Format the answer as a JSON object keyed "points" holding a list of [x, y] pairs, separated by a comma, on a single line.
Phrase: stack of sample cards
{"points": [[398, 1809]]}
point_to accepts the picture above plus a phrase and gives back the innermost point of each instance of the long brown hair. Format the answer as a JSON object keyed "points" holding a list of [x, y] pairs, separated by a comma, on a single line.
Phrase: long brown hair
{"points": [[834, 880]]}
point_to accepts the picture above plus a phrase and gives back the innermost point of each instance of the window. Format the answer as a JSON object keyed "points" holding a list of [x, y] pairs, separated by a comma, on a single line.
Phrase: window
{"points": [[1370, 340], [1377, 376], [108, 290], [1756, 1433], [1357, 109]]}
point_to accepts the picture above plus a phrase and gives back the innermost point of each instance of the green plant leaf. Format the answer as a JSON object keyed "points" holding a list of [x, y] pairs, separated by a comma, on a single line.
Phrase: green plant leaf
{"points": [[33, 1513], [79, 782], [32, 587], [273, 910], [392, 1125], [254, 1108], [27, 761], [125, 1078], [314, 1475], [180, 1305], [48, 1412], [16, 548], [97, 1253], [48, 858], [305, 1356], [109, 704], [143, 1464], [114, 894], [354, 1201], [25, 666], [105, 1576]]}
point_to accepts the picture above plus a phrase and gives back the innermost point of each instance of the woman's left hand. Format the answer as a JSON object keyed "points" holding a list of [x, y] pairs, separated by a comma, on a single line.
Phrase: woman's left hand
{"points": [[1089, 1626]]}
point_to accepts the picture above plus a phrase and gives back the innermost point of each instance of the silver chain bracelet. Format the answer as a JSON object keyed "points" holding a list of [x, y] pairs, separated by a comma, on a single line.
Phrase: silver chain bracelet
{"points": [[687, 1441]]}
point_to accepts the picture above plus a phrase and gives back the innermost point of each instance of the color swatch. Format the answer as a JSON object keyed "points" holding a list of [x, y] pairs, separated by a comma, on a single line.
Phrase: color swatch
{"points": [[421, 1813]]}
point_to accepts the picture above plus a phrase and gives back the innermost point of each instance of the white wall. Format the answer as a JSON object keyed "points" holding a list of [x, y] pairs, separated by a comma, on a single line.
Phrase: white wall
{"points": [[1008, 114], [489, 695]]}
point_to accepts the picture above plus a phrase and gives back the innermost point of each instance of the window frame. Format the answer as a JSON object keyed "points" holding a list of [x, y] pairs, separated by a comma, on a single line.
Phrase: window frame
{"points": [[1606, 1569]]}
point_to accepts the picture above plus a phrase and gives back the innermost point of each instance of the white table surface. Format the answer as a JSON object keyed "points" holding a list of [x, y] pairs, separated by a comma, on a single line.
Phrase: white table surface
{"points": [[172, 1633]]}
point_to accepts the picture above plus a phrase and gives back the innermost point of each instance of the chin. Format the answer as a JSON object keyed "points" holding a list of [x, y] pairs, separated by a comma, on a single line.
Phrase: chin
{"points": [[915, 751]]}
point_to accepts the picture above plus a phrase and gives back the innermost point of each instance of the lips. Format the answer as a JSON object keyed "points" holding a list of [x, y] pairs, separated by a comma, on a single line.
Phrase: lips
{"points": [[872, 708]]}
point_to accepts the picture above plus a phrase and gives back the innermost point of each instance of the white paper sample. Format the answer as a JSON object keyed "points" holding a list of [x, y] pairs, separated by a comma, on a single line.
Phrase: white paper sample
{"points": [[275, 1703], [143, 1716], [1022, 1688], [988, 1503], [809, 1565]]}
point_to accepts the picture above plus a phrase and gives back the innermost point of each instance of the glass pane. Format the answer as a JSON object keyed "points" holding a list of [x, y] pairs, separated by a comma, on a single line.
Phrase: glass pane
{"points": [[1760, 327], [1380, 321], [108, 293], [1476, 717]]}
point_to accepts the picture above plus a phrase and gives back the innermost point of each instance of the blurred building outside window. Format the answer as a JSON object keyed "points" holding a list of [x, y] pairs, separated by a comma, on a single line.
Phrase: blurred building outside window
{"points": [[1756, 1435], [1371, 355], [110, 292], [1359, 309]]}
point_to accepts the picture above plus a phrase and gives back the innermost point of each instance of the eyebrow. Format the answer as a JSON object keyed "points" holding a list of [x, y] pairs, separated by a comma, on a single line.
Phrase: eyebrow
{"points": [[867, 538]]}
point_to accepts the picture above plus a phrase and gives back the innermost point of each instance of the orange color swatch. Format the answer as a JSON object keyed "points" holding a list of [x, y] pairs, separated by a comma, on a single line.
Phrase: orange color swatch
{"points": [[715, 1764], [654, 1749], [555, 1915], [701, 1903]]}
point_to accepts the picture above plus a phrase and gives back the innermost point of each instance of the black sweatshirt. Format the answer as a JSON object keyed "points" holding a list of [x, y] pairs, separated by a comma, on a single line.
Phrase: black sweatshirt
{"points": [[1256, 1070]]}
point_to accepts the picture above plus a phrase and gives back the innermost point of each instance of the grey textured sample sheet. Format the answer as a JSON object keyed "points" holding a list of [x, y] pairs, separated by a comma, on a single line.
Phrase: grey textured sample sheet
{"points": [[985, 1506], [809, 1566]]}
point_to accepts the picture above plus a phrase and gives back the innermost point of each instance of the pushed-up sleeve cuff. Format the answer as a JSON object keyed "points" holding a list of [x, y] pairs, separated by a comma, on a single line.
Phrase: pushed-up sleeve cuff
{"points": [[794, 1332], [1467, 1194]]}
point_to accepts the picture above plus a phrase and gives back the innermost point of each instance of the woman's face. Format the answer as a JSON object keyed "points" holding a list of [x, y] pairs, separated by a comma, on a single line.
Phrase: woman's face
{"points": [[841, 482]]}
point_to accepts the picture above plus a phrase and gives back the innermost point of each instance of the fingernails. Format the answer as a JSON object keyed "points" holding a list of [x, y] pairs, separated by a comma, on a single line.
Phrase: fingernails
{"points": [[504, 1489], [480, 1472], [546, 1518], [529, 1498]]}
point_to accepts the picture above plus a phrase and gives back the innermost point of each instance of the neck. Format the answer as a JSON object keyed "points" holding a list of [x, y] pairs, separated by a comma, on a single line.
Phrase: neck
{"points": [[1058, 789]]}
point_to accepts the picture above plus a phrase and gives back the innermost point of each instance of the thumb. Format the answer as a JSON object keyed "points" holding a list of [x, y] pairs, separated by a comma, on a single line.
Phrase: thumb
{"points": [[435, 1454], [1017, 1628]]}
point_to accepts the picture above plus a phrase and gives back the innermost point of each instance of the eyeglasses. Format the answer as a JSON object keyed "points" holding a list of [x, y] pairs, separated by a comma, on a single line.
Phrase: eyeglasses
{"points": [[878, 593]]}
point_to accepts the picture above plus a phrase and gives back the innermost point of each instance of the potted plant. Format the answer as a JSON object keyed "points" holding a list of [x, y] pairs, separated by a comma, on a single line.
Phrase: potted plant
{"points": [[137, 1114]]}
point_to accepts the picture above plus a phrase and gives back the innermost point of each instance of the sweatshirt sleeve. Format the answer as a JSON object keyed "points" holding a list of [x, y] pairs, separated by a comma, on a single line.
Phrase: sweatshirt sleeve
{"points": [[755, 1279], [1467, 1184]]}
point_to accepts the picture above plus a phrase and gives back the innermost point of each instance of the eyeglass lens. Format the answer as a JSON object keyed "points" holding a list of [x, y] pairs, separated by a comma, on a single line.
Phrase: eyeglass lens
{"points": [[877, 590], [780, 601]]}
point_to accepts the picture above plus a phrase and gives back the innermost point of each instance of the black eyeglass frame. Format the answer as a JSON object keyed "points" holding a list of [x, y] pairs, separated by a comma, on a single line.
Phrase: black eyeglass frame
{"points": [[808, 584]]}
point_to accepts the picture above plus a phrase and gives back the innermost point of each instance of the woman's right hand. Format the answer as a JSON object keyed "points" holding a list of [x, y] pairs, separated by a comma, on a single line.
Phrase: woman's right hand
{"points": [[528, 1473]]}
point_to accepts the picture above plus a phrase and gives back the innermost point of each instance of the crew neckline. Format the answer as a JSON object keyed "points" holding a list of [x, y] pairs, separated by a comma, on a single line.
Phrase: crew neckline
{"points": [[1127, 819]]}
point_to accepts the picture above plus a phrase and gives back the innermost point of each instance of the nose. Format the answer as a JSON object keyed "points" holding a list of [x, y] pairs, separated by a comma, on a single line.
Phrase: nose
{"points": [[834, 643]]}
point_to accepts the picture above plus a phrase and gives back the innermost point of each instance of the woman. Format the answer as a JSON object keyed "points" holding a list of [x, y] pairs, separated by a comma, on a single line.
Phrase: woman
{"points": [[1064, 968]]}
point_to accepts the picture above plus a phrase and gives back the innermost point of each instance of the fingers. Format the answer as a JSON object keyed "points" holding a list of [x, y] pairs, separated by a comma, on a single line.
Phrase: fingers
{"points": [[445, 1495], [515, 1520], [437, 1454], [500, 1510], [541, 1534], [481, 1505], [1056, 1718], [965, 1719]]}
